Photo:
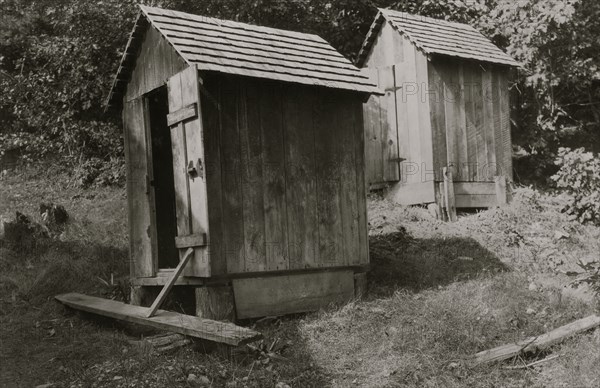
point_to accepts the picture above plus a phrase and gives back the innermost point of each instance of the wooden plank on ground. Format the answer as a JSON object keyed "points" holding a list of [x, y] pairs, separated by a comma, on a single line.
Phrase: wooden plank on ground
{"points": [[170, 283], [279, 295], [535, 344], [223, 332]]}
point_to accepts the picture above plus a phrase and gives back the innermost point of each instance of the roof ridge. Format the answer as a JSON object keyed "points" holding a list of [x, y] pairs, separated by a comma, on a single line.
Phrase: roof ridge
{"points": [[424, 18], [231, 23]]}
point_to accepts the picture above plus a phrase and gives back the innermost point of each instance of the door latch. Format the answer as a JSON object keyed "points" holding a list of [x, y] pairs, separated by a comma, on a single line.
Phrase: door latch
{"points": [[195, 170]]}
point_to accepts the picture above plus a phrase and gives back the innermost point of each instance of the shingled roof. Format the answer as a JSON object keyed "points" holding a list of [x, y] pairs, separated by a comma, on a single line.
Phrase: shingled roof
{"points": [[434, 36], [244, 49]]}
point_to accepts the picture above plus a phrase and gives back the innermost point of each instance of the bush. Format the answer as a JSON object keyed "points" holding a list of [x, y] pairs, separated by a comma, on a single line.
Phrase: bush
{"points": [[579, 178]]}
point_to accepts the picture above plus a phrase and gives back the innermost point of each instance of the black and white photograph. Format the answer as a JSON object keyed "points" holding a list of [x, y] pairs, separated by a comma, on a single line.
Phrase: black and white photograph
{"points": [[300, 193]]}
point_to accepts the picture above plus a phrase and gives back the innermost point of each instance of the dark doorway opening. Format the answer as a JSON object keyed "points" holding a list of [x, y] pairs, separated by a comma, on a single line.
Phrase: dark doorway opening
{"points": [[165, 219]]}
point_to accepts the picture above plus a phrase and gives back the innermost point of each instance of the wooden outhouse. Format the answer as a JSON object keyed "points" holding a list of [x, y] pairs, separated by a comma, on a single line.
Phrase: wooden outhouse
{"points": [[446, 105], [245, 143]]}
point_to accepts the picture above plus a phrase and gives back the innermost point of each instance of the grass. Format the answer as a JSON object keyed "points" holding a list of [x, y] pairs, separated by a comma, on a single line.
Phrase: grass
{"points": [[438, 293]]}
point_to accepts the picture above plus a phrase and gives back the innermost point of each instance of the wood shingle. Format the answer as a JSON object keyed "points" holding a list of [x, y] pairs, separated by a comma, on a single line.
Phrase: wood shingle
{"points": [[434, 36], [248, 50]]}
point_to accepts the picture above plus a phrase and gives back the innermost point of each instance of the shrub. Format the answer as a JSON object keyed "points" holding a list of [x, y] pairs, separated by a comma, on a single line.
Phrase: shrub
{"points": [[579, 178]]}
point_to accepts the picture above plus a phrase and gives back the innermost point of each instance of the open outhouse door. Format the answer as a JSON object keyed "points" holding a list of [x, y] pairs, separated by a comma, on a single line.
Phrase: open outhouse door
{"points": [[189, 172]]}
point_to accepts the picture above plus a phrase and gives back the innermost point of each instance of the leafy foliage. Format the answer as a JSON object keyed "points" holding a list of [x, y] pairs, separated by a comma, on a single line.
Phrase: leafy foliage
{"points": [[58, 59], [579, 177], [557, 94]]}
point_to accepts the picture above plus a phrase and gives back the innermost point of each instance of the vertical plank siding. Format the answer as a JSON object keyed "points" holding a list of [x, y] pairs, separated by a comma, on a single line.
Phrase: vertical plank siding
{"points": [[471, 122], [301, 183], [289, 191], [139, 210]]}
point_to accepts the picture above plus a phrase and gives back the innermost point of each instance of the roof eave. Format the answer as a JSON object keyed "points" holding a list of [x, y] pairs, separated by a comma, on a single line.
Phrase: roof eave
{"points": [[127, 63], [370, 39]]}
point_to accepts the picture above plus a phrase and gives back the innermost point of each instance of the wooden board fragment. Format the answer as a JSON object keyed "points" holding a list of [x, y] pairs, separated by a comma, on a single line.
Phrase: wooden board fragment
{"points": [[449, 195], [139, 209], [170, 283], [279, 295], [534, 344], [182, 114], [500, 182], [223, 332], [191, 240]]}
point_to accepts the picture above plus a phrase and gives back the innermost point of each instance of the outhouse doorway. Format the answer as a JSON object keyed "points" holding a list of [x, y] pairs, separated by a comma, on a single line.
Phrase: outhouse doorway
{"points": [[161, 181]]}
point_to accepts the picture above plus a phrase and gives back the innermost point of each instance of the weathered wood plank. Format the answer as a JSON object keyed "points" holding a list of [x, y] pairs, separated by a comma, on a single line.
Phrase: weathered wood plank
{"points": [[478, 124], [470, 120], [438, 120], [475, 188], [461, 130], [194, 142], [411, 97], [274, 176], [328, 180], [412, 193], [346, 119], [212, 128], [215, 302], [500, 183], [475, 200], [139, 211], [301, 185], [498, 136], [389, 125], [401, 113], [255, 244], [207, 329], [535, 344], [233, 216], [449, 198], [505, 123], [179, 151], [155, 62], [192, 240], [361, 188], [170, 283], [279, 295], [489, 170], [426, 165], [450, 76], [185, 113]]}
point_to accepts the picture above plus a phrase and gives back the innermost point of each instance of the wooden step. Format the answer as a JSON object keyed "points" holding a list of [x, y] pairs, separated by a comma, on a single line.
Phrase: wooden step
{"points": [[223, 332]]}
